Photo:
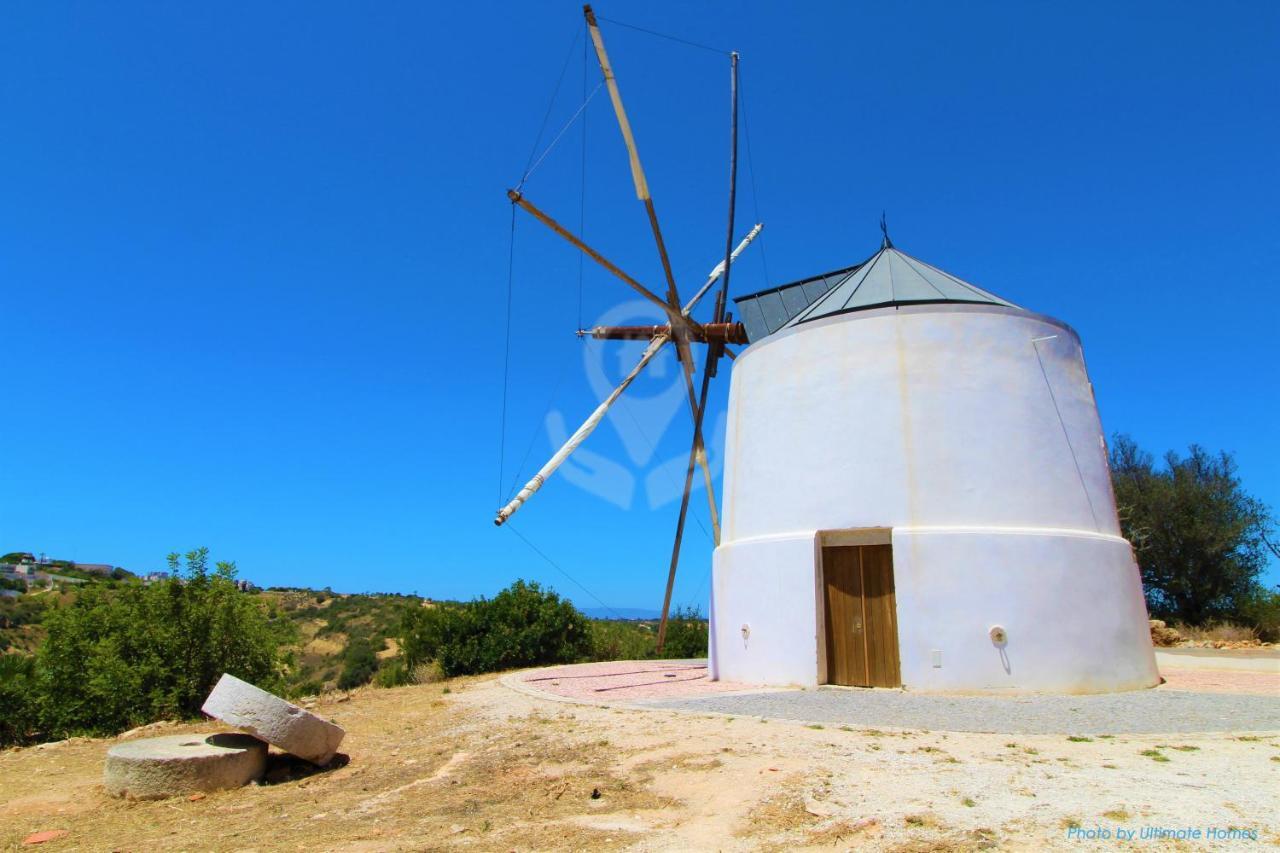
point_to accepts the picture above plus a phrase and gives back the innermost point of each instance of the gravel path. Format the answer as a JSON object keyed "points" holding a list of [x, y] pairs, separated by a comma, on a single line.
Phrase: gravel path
{"points": [[1137, 712]]}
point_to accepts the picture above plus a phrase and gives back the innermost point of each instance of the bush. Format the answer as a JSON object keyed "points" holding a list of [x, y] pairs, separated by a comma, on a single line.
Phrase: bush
{"points": [[114, 659], [1262, 611], [622, 640], [686, 635], [18, 706], [307, 688], [393, 673], [524, 625], [23, 610], [359, 663]]}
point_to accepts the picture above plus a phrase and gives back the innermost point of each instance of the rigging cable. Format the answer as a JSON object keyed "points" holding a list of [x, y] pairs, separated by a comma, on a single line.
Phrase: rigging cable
{"points": [[582, 208], [528, 451], [665, 36], [568, 124], [529, 165], [557, 567]]}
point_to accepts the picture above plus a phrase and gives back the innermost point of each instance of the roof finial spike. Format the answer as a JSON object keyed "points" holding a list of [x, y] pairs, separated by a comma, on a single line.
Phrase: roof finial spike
{"points": [[886, 243]]}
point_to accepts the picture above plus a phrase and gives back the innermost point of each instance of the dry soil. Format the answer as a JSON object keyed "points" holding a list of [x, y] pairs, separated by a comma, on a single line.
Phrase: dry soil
{"points": [[473, 764]]}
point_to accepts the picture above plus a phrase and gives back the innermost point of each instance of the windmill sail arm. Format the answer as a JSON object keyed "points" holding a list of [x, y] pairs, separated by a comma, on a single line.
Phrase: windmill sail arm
{"points": [[719, 270], [678, 319], [588, 426], [679, 331]]}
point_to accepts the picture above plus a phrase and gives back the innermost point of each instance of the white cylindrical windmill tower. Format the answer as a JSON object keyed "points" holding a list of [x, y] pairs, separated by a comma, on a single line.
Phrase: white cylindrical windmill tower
{"points": [[916, 494]]}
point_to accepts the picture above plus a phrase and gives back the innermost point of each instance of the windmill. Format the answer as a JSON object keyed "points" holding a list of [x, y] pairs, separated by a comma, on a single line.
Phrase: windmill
{"points": [[681, 330]]}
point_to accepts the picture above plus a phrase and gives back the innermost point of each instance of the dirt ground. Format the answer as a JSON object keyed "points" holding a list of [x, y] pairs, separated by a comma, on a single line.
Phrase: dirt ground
{"points": [[472, 764]]}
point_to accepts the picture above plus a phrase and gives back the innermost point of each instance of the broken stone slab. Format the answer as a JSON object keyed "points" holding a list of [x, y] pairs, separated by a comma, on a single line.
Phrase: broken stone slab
{"points": [[270, 718], [170, 766]]}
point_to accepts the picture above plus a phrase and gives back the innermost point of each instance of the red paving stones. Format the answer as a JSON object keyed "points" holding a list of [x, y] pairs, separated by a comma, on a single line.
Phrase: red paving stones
{"points": [[624, 681], [627, 681], [1221, 681]]}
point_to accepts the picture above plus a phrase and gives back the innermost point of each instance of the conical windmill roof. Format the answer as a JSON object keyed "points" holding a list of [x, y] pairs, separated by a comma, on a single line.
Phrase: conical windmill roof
{"points": [[888, 278]]}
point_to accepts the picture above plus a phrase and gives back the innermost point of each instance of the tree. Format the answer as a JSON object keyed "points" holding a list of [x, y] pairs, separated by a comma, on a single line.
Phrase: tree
{"points": [[115, 658], [524, 625], [1199, 538]]}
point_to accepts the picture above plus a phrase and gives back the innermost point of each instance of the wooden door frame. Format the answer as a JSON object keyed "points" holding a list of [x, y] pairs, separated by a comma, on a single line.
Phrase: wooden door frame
{"points": [[827, 539]]}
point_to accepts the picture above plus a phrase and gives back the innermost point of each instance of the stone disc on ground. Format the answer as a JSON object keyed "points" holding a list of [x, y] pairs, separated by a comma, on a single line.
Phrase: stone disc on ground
{"points": [[154, 768], [267, 716]]}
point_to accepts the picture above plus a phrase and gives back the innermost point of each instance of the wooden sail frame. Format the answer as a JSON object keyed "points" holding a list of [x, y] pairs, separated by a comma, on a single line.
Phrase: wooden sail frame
{"points": [[681, 329], [594, 419]]}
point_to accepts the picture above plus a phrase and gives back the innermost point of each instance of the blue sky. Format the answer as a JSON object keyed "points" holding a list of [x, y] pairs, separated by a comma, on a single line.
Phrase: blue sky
{"points": [[253, 258]]}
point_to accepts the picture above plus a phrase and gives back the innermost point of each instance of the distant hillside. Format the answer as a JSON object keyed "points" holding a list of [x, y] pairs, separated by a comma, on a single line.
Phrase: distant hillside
{"points": [[343, 638], [639, 613]]}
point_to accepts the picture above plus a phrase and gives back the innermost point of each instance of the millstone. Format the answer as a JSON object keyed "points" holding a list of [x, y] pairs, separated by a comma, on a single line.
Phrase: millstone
{"points": [[169, 766], [266, 716]]}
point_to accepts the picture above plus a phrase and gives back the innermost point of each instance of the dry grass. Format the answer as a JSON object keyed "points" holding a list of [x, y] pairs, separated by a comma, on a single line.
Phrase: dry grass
{"points": [[471, 764], [427, 673], [1225, 632], [953, 842], [327, 646], [437, 776], [845, 834], [783, 811]]}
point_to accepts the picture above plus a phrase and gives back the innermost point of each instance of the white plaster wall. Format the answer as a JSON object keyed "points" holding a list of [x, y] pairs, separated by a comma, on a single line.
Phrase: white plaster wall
{"points": [[972, 431], [1071, 604], [919, 416], [767, 584]]}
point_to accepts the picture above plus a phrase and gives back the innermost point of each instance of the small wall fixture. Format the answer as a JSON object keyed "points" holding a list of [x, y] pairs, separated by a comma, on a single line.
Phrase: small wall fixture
{"points": [[998, 635], [746, 632]]}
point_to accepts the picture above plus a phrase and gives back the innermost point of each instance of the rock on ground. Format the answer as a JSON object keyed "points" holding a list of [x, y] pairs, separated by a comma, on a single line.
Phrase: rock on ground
{"points": [[270, 718], [154, 768]]}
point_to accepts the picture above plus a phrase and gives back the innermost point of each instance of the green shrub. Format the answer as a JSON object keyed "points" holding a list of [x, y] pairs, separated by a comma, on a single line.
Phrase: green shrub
{"points": [[359, 663], [1262, 611], [307, 688], [393, 673], [118, 658], [524, 625], [23, 610], [686, 635], [622, 640], [18, 706]]}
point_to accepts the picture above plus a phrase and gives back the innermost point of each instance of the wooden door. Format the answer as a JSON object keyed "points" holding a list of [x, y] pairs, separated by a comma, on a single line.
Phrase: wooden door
{"points": [[846, 635], [861, 616]]}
